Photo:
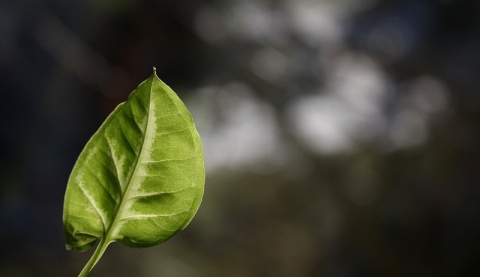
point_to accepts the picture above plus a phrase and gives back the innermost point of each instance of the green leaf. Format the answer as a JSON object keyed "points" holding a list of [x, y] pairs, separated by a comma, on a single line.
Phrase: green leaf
{"points": [[139, 179]]}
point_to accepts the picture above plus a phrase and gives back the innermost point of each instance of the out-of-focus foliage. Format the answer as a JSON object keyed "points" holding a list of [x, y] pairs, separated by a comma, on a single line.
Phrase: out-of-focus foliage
{"points": [[341, 137]]}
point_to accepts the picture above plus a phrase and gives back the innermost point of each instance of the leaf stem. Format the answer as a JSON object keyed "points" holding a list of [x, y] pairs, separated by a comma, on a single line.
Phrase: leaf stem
{"points": [[102, 245]]}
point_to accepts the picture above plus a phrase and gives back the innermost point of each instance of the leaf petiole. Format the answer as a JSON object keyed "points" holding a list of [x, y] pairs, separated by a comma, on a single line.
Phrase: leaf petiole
{"points": [[101, 247]]}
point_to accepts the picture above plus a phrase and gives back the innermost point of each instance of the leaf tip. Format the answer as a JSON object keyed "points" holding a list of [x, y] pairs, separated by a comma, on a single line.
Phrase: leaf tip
{"points": [[154, 74]]}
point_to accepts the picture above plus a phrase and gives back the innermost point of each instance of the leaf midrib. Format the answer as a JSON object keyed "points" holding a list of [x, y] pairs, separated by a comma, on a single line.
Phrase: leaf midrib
{"points": [[113, 224]]}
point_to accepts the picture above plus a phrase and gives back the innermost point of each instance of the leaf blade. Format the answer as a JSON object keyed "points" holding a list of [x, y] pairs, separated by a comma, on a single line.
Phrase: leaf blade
{"points": [[140, 178]]}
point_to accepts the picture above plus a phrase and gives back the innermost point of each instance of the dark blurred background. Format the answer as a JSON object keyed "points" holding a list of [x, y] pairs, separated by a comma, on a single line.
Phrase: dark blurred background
{"points": [[341, 137]]}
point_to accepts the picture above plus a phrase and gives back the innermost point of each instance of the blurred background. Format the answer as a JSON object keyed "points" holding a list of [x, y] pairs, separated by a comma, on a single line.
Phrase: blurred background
{"points": [[341, 137]]}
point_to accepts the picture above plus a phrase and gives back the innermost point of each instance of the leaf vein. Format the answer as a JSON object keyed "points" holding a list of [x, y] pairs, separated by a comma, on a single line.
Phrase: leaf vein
{"points": [[97, 210], [119, 180], [101, 184]]}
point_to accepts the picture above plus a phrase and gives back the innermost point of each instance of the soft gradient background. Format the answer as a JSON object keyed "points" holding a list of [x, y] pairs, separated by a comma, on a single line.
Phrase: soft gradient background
{"points": [[341, 137]]}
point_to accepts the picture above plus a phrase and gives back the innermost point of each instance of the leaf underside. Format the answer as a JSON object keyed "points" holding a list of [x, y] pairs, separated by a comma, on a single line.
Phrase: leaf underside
{"points": [[140, 178]]}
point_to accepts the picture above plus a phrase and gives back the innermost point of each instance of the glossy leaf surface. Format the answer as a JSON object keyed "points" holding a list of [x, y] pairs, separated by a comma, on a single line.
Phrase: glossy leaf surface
{"points": [[140, 178]]}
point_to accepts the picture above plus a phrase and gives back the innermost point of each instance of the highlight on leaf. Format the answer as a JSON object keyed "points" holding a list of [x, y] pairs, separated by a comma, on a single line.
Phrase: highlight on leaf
{"points": [[139, 179]]}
